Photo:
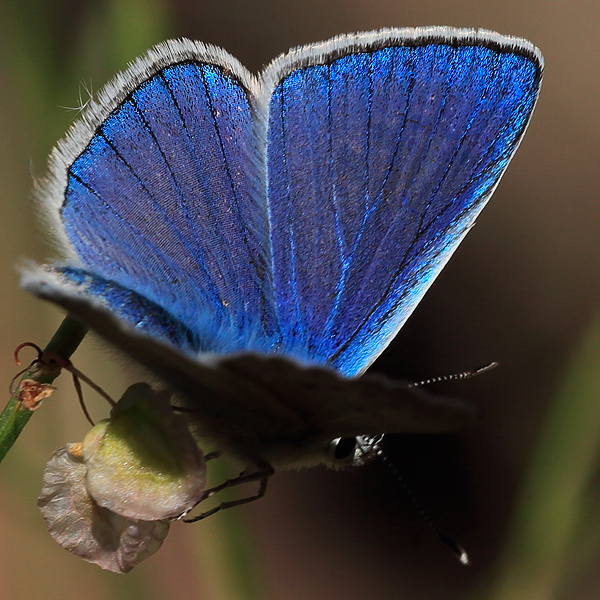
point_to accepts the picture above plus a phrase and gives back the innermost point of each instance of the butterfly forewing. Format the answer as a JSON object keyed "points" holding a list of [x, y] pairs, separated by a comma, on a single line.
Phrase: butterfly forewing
{"points": [[164, 200], [379, 159]]}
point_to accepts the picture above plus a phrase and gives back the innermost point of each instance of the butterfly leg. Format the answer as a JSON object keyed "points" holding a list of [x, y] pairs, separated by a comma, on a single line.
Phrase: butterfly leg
{"points": [[262, 475]]}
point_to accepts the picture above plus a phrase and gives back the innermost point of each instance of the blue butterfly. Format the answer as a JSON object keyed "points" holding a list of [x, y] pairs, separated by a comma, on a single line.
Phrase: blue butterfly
{"points": [[258, 241]]}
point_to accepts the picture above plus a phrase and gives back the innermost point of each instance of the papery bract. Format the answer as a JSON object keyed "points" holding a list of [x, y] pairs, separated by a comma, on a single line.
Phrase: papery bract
{"points": [[87, 530]]}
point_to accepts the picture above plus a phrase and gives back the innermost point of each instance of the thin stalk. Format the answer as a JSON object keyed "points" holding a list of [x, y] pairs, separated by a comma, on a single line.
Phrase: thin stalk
{"points": [[15, 416]]}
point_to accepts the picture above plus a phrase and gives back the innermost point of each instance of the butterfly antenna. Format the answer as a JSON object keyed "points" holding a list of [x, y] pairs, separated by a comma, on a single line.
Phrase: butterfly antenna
{"points": [[457, 376], [446, 539]]}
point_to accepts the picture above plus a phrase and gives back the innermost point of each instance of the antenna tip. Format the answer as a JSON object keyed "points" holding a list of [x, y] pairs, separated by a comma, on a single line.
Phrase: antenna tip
{"points": [[486, 368], [464, 558], [456, 548]]}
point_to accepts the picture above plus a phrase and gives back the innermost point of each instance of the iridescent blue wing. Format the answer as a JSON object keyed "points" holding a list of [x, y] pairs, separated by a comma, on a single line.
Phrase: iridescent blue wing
{"points": [[381, 151], [161, 193]]}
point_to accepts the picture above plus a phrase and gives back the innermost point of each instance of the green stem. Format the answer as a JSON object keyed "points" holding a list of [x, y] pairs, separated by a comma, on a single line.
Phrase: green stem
{"points": [[15, 416]]}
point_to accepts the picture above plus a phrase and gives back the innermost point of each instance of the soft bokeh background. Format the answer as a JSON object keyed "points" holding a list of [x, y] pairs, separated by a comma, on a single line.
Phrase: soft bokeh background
{"points": [[520, 490]]}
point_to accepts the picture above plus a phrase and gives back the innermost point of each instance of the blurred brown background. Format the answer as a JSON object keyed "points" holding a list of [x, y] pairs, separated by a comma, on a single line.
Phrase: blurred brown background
{"points": [[522, 290]]}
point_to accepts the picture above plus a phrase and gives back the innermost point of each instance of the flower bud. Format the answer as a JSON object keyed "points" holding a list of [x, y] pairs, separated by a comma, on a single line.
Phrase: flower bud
{"points": [[143, 462]]}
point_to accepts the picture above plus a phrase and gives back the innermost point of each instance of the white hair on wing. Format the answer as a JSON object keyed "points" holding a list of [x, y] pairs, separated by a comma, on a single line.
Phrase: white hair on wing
{"points": [[50, 191], [343, 45]]}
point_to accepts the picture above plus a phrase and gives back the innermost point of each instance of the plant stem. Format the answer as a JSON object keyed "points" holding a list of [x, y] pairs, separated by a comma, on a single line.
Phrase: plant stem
{"points": [[15, 416]]}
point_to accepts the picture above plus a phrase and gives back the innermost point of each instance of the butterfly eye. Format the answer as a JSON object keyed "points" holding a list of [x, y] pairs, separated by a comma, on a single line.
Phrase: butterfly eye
{"points": [[355, 450], [343, 448]]}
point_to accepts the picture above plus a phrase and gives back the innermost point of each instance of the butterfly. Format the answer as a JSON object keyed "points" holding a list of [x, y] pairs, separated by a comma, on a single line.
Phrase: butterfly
{"points": [[257, 241]]}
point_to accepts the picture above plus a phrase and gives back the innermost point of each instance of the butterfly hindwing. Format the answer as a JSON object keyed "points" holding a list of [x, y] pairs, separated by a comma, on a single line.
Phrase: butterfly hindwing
{"points": [[255, 407]]}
